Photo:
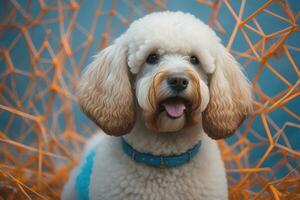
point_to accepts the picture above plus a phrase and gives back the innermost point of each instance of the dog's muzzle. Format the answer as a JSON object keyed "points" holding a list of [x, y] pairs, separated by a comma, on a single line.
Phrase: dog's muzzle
{"points": [[175, 105]]}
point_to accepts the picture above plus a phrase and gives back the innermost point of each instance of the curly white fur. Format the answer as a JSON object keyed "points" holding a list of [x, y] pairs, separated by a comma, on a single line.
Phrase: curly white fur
{"points": [[122, 93]]}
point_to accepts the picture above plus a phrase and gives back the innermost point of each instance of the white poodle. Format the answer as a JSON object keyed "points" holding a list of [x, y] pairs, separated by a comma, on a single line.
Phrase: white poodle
{"points": [[171, 86]]}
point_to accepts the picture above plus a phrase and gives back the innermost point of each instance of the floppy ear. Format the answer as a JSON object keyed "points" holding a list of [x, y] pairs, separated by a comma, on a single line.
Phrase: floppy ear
{"points": [[230, 97], [105, 93]]}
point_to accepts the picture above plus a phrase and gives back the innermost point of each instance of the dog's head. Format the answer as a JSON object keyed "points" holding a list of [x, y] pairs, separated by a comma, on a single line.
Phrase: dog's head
{"points": [[173, 68]]}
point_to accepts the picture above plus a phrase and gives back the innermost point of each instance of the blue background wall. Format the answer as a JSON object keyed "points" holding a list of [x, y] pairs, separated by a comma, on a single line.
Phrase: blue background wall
{"points": [[270, 84]]}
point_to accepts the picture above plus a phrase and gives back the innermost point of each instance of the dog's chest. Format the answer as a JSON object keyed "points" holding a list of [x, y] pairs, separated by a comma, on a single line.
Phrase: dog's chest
{"points": [[118, 177], [142, 182]]}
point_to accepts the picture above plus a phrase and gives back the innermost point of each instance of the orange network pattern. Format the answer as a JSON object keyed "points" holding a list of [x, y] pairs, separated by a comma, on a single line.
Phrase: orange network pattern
{"points": [[40, 137]]}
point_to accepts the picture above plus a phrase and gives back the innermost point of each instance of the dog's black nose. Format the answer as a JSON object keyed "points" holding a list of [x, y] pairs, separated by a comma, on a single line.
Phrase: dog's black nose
{"points": [[177, 81]]}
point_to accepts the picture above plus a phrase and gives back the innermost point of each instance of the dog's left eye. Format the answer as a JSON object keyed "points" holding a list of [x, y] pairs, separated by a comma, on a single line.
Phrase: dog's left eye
{"points": [[194, 60], [152, 59]]}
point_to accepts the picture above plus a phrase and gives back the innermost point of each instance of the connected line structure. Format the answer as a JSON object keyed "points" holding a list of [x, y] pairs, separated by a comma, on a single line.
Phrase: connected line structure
{"points": [[44, 46]]}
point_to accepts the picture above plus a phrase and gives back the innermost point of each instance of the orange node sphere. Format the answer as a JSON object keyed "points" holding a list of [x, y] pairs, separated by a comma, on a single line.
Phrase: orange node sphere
{"points": [[75, 6], [55, 62], [98, 12], [113, 12], [90, 39], [66, 46]]}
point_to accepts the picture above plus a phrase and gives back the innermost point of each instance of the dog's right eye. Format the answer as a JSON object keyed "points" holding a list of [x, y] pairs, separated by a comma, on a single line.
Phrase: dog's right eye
{"points": [[152, 59]]}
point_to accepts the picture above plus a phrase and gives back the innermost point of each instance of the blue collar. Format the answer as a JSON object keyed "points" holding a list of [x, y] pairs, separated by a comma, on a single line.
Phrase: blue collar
{"points": [[164, 161]]}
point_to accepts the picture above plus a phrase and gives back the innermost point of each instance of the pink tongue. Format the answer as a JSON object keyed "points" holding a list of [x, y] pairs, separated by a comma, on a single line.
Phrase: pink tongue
{"points": [[174, 109]]}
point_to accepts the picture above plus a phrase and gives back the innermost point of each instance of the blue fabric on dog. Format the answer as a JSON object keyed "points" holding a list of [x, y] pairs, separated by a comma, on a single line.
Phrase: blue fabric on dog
{"points": [[84, 177]]}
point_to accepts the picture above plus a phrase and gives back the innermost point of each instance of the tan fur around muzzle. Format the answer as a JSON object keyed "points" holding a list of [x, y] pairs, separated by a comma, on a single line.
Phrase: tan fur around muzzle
{"points": [[155, 97]]}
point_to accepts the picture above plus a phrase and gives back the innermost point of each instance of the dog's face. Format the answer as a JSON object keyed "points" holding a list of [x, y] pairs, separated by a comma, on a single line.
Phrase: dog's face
{"points": [[172, 68], [171, 88]]}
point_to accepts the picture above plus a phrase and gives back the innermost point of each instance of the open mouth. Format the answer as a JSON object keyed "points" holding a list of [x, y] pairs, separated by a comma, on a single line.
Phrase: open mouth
{"points": [[174, 107]]}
